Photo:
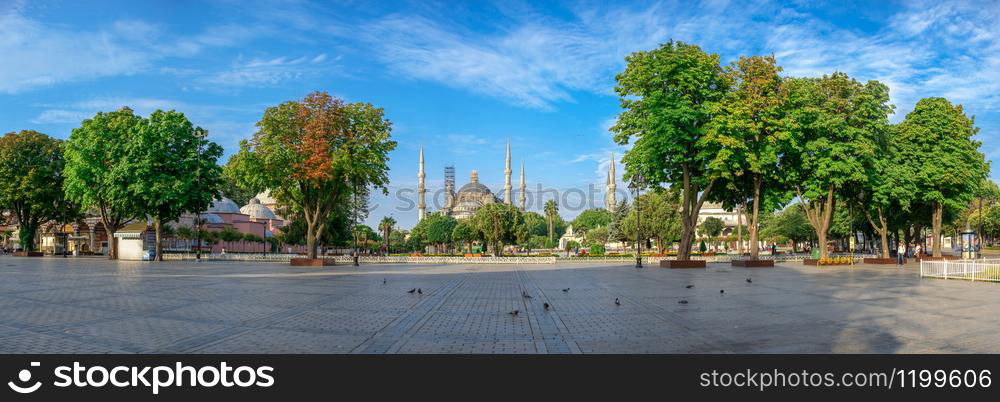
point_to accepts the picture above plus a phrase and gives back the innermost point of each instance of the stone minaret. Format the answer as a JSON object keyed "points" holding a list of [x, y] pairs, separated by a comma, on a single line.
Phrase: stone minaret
{"points": [[507, 196], [421, 206], [523, 201], [609, 196]]}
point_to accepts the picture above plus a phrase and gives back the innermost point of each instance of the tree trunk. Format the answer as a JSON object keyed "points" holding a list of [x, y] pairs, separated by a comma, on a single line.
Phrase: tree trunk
{"points": [[883, 231], [158, 224], [112, 244], [310, 242], [884, 234], [819, 214], [26, 235], [754, 227], [690, 205], [739, 229], [936, 227]]}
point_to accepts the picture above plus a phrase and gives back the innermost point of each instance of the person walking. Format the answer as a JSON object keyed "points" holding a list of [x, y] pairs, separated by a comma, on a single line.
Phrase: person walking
{"points": [[901, 253]]}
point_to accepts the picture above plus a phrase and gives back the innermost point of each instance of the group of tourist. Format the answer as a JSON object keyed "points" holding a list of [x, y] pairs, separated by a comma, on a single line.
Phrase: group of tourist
{"points": [[901, 252]]}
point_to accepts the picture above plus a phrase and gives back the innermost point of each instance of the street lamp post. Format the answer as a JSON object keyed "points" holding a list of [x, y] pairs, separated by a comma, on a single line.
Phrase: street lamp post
{"points": [[636, 185], [354, 221], [197, 221]]}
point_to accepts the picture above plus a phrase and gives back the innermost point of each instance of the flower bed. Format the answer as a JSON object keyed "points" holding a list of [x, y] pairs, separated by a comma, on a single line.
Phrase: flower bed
{"points": [[828, 261]]}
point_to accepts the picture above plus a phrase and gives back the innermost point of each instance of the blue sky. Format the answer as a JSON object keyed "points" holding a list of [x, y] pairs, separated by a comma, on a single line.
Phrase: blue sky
{"points": [[463, 77]]}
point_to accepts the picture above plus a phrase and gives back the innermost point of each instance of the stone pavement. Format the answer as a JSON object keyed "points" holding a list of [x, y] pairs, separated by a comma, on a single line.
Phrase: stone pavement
{"points": [[90, 305]]}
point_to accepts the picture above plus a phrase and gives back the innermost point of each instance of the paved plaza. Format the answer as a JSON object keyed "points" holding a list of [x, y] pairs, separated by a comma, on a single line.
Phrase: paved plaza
{"points": [[91, 305]]}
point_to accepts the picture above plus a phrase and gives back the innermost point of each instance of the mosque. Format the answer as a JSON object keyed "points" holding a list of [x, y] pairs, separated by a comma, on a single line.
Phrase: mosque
{"points": [[473, 195]]}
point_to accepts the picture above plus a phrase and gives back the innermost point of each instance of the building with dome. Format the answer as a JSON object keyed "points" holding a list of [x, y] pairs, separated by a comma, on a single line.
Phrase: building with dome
{"points": [[473, 195]]}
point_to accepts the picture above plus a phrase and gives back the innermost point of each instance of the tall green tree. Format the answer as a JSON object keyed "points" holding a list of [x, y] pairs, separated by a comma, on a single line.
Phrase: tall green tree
{"points": [[551, 213], [466, 233], [592, 218], [659, 220], [791, 224], [835, 123], [712, 227], [497, 223], [176, 169], [665, 94], [749, 135], [386, 226], [937, 145], [98, 175], [31, 168], [888, 191], [435, 229], [536, 224], [314, 155], [232, 191]]}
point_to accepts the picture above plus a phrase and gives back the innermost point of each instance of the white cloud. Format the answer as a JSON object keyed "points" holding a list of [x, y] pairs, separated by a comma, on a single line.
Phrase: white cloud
{"points": [[259, 72], [37, 55]]}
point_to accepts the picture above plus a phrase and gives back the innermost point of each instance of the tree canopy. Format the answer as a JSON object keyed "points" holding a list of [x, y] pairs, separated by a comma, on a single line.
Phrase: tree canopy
{"points": [[592, 218], [98, 174], [497, 223], [176, 169], [314, 155], [943, 159], [836, 124], [665, 94], [31, 168]]}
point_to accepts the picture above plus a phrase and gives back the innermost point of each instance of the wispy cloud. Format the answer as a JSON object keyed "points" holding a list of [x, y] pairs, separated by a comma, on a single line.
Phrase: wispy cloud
{"points": [[36, 55], [268, 72]]}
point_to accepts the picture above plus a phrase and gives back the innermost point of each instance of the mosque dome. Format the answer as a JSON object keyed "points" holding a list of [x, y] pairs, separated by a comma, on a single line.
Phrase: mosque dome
{"points": [[212, 219], [474, 186], [256, 210], [223, 206], [265, 198]]}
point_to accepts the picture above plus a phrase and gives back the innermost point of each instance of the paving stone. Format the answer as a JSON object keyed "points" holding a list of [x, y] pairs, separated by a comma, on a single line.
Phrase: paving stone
{"points": [[146, 334], [271, 340], [93, 305]]}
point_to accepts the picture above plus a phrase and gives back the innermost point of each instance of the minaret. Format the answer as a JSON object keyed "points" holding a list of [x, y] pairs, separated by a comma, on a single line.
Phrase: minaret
{"points": [[609, 196], [421, 206], [507, 196], [524, 189]]}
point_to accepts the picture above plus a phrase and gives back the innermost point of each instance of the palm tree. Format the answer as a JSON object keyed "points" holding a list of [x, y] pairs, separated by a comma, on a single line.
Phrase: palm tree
{"points": [[386, 226], [185, 233], [551, 212]]}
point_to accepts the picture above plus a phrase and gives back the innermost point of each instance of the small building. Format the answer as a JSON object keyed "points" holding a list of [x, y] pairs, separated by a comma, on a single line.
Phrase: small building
{"points": [[570, 236], [136, 242]]}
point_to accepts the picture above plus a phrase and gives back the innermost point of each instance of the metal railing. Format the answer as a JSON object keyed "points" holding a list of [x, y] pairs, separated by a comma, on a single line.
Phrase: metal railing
{"points": [[344, 259], [973, 270]]}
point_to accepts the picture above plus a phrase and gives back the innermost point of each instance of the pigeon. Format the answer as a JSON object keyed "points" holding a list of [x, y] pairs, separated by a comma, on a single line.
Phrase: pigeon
{"points": [[514, 313], [411, 291], [689, 286], [749, 280], [566, 290], [420, 291], [617, 302], [546, 306], [683, 302]]}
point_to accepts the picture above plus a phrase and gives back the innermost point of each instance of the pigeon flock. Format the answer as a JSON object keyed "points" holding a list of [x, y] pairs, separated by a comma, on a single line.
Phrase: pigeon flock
{"points": [[547, 306]]}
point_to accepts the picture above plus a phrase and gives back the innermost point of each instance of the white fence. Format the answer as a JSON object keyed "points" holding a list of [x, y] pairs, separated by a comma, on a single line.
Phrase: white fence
{"points": [[973, 270], [343, 259], [282, 257], [714, 258]]}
